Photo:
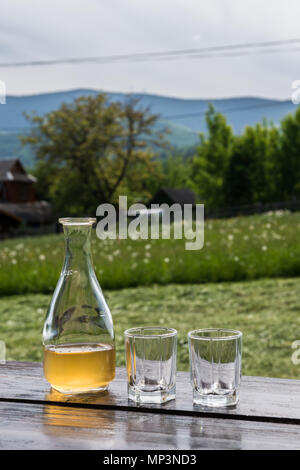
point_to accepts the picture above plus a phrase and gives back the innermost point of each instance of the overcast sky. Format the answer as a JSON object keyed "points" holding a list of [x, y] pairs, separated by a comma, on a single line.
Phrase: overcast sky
{"points": [[53, 29]]}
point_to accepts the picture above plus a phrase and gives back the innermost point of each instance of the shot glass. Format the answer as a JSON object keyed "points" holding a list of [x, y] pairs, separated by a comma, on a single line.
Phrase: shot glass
{"points": [[215, 366], [151, 364]]}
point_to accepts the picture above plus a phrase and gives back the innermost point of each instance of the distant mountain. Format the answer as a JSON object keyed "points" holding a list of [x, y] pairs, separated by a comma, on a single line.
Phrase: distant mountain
{"points": [[184, 117]]}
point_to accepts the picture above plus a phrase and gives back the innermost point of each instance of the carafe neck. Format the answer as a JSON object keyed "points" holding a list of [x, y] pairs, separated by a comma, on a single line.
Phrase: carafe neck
{"points": [[77, 243]]}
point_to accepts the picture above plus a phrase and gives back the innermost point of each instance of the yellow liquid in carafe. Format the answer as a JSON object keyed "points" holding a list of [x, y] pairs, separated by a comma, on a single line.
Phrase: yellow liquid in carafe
{"points": [[79, 368]]}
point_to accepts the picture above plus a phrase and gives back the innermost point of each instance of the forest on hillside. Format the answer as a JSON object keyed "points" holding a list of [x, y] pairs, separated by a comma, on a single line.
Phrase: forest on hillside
{"points": [[106, 149]]}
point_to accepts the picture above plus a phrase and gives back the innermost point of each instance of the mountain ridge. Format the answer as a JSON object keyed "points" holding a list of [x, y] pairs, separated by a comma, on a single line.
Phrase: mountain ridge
{"points": [[184, 116]]}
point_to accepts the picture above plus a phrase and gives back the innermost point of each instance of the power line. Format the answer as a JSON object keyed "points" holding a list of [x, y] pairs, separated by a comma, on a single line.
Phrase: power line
{"points": [[226, 111], [204, 52], [237, 54]]}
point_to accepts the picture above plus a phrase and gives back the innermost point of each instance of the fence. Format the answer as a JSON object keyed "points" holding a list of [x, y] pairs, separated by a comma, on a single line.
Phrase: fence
{"points": [[251, 209], [29, 231], [220, 213]]}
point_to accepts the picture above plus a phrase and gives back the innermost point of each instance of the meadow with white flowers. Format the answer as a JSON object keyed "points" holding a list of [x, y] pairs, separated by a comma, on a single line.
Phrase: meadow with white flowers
{"points": [[159, 282], [237, 249]]}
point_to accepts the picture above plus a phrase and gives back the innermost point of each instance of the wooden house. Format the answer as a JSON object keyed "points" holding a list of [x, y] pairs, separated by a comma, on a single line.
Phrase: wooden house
{"points": [[18, 203], [172, 196]]}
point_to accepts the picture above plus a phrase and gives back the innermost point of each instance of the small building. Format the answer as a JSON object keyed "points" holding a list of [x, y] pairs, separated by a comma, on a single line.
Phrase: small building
{"points": [[18, 203], [16, 185], [172, 196]]}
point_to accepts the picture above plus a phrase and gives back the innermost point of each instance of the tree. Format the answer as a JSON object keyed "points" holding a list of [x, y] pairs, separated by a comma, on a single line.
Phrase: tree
{"points": [[250, 173], [211, 160], [85, 150], [142, 137], [288, 164], [177, 172], [260, 144], [237, 181]]}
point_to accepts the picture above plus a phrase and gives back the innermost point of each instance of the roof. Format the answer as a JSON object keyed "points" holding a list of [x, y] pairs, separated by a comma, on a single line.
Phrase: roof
{"points": [[28, 212], [180, 196], [13, 170], [6, 165]]}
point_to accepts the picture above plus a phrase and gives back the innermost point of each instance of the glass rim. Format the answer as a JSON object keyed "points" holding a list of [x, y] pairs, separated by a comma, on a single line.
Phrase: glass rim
{"points": [[165, 332], [232, 334], [77, 220]]}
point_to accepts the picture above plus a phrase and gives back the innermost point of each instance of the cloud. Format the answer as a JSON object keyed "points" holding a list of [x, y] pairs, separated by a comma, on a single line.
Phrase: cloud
{"points": [[75, 28]]}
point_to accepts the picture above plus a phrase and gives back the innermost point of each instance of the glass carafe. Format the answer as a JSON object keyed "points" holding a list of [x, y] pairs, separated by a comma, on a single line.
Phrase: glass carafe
{"points": [[78, 335]]}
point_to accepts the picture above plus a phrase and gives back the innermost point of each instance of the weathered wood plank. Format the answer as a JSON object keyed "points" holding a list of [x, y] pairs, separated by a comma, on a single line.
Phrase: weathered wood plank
{"points": [[31, 426], [262, 399]]}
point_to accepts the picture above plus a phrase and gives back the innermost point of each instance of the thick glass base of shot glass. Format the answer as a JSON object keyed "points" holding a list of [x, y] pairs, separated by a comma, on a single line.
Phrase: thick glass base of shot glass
{"points": [[146, 396], [215, 400], [78, 391]]}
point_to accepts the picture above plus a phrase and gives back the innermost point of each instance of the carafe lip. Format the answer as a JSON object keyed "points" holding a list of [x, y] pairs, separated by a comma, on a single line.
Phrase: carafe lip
{"points": [[77, 221]]}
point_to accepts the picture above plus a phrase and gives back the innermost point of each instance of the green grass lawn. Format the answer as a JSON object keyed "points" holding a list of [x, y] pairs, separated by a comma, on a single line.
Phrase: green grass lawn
{"points": [[243, 248], [267, 311]]}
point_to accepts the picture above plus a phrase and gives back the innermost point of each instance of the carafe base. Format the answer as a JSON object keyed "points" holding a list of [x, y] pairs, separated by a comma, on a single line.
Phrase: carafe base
{"points": [[80, 391]]}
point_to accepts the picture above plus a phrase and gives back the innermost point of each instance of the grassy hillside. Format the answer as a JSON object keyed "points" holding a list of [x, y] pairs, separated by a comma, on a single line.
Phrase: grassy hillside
{"points": [[184, 117], [10, 147], [253, 109], [238, 249]]}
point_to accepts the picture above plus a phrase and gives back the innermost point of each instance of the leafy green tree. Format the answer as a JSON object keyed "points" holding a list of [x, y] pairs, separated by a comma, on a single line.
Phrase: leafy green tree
{"points": [[288, 163], [141, 182], [237, 181], [177, 172], [251, 172], [211, 160], [85, 151], [273, 155]]}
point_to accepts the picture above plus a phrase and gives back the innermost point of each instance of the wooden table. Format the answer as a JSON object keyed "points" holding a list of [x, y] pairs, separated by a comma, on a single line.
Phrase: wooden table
{"points": [[34, 417]]}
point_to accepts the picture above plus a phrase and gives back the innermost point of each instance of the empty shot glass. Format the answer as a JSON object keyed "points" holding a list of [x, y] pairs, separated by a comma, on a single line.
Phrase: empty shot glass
{"points": [[151, 364], [215, 366]]}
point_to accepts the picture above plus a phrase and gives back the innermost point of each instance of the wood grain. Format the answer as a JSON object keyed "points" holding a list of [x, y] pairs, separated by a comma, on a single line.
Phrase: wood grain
{"points": [[38, 426], [262, 399]]}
